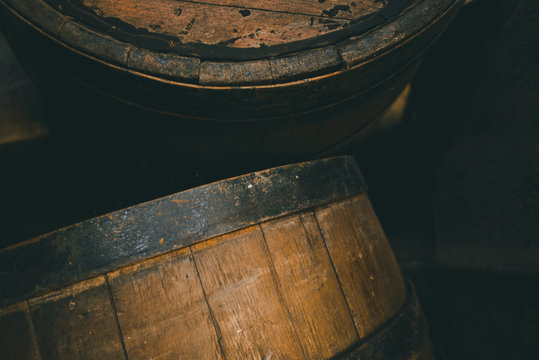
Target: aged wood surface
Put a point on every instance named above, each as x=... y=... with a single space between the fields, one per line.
x=387 y=266
x=162 y=310
x=309 y=285
x=77 y=323
x=304 y=286
x=237 y=23
x=241 y=289
x=17 y=340
x=358 y=265
x=176 y=221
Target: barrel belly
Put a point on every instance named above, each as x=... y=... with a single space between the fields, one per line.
x=317 y=280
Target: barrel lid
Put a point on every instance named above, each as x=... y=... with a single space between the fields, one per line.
x=232 y=42
x=231 y=29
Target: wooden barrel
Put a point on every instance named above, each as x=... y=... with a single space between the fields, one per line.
x=288 y=263
x=224 y=78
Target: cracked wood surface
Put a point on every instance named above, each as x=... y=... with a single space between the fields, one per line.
x=236 y=23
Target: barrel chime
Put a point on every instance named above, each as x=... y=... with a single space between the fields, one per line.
x=286 y=263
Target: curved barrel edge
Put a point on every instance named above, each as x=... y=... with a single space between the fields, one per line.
x=123 y=237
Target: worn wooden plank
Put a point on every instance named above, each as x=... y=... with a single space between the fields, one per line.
x=77 y=323
x=162 y=310
x=234 y=26
x=388 y=268
x=17 y=340
x=241 y=290
x=347 y=9
x=310 y=286
x=358 y=265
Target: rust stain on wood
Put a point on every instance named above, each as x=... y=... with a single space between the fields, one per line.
x=179 y=202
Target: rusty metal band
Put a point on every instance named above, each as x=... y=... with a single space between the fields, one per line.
x=404 y=337
x=108 y=242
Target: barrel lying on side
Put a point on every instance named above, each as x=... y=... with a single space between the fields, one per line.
x=288 y=263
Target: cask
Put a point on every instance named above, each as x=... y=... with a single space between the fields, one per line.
x=224 y=79
x=287 y=263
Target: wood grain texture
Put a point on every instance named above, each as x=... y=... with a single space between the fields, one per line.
x=163 y=225
x=162 y=310
x=388 y=269
x=17 y=340
x=77 y=323
x=309 y=285
x=236 y=23
x=358 y=264
x=240 y=285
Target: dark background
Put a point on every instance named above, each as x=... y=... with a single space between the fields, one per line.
x=455 y=185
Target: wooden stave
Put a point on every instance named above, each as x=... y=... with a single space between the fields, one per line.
x=397 y=332
x=403 y=337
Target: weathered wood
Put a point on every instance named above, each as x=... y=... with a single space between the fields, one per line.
x=17 y=339
x=77 y=323
x=309 y=285
x=162 y=310
x=316 y=280
x=215 y=27
x=235 y=23
x=387 y=266
x=170 y=223
x=323 y=69
x=358 y=266
x=241 y=289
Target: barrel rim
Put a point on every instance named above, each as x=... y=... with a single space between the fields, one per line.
x=105 y=243
x=211 y=72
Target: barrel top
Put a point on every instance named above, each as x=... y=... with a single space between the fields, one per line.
x=221 y=28
x=126 y=236
x=232 y=42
